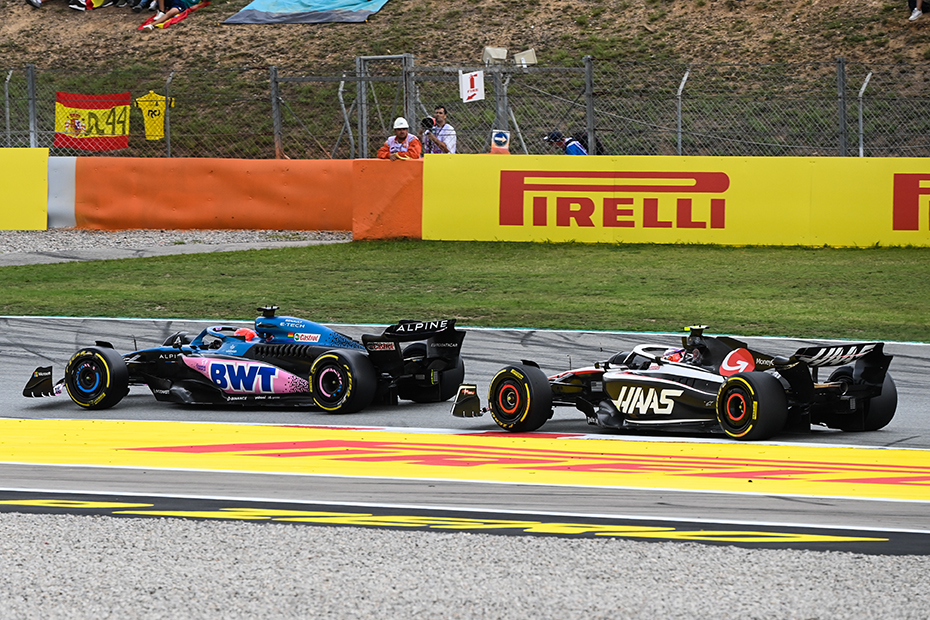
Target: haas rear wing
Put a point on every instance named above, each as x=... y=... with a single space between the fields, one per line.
x=867 y=358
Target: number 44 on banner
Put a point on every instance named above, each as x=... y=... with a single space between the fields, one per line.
x=471 y=86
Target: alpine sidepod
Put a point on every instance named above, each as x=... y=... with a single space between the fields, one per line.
x=708 y=384
x=282 y=361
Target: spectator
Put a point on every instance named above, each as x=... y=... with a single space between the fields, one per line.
x=917 y=9
x=174 y=8
x=438 y=137
x=569 y=145
x=142 y=5
x=401 y=145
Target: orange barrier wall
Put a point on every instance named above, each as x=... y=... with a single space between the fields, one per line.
x=388 y=199
x=117 y=193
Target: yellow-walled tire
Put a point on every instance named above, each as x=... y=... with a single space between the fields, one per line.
x=752 y=406
x=96 y=378
x=520 y=398
x=343 y=381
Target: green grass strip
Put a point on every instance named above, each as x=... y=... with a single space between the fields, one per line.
x=874 y=293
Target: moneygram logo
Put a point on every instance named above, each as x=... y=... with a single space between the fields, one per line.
x=613 y=199
x=908 y=189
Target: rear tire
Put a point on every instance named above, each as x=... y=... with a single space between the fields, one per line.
x=97 y=378
x=880 y=409
x=343 y=381
x=420 y=392
x=752 y=406
x=520 y=398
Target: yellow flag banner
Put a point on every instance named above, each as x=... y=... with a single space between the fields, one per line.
x=92 y=122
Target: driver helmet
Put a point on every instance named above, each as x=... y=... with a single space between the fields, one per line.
x=673 y=355
x=248 y=334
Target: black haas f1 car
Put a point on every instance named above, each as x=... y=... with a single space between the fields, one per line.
x=709 y=384
x=282 y=361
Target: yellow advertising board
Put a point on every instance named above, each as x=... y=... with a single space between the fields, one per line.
x=814 y=201
x=24 y=187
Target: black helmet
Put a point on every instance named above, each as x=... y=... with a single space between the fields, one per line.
x=553 y=136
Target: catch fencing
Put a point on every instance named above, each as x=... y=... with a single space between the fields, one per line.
x=626 y=108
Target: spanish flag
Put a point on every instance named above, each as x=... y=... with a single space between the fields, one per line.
x=92 y=122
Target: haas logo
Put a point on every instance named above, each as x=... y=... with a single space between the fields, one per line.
x=736 y=361
x=646 y=400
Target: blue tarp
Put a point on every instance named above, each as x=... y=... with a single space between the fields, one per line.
x=306 y=11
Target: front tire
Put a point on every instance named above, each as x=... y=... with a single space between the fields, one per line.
x=752 y=406
x=97 y=378
x=343 y=381
x=520 y=398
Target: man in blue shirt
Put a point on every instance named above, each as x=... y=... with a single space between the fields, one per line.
x=569 y=145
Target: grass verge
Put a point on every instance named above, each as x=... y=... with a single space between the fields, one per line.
x=875 y=293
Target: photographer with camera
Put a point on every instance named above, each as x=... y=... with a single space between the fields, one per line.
x=438 y=136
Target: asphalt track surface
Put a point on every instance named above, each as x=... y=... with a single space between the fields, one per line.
x=864 y=492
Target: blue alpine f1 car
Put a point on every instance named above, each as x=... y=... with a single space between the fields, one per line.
x=282 y=361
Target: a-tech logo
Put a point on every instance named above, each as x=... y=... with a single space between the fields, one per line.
x=908 y=190
x=613 y=199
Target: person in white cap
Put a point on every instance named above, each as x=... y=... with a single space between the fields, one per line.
x=402 y=145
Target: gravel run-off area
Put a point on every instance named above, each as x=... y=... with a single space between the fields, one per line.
x=59 y=566
x=67 y=239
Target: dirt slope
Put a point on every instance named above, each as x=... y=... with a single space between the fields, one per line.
x=455 y=31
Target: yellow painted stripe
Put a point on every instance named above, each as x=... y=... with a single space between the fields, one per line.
x=497 y=457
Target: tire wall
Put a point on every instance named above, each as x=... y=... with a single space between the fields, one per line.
x=810 y=201
x=830 y=201
x=375 y=199
x=23 y=189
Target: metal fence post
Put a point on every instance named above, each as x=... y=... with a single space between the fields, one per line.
x=168 y=114
x=410 y=93
x=861 y=131
x=501 y=120
x=276 y=113
x=362 y=98
x=589 y=102
x=347 y=126
x=33 y=122
x=841 y=96
x=681 y=88
x=6 y=107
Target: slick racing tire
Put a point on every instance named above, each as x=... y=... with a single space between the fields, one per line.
x=520 y=398
x=97 y=378
x=343 y=381
x=425 y=392
x=879 y=410
x=752 y=406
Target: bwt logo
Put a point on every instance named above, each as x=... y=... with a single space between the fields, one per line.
x=242 y=377
x=907 y=193
x=574 y=204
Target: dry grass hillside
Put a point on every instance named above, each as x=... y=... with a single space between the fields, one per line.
x=561 y=31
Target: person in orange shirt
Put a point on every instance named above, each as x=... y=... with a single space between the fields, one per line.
x=402 y=145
